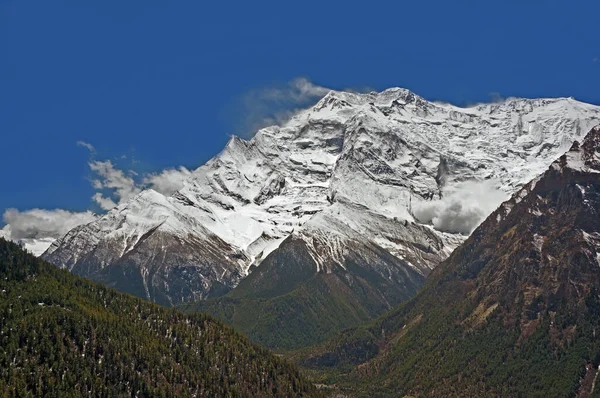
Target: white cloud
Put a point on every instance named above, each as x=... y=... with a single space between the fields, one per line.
x=122 y=187
x=168 y=180
x=87 y=145
x=462 y=208
x=40 y=223
x=113 y=185
x=116 y=186
x=104 y=202
x=37 y=228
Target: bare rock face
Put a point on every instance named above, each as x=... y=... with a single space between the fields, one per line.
x=387 y=170
x=274 y=186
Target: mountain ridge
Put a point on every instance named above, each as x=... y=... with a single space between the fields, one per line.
x=378 y=162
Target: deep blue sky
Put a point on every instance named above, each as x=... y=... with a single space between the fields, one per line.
x=161 y=82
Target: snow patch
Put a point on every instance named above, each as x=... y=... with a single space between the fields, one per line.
x=538 y=242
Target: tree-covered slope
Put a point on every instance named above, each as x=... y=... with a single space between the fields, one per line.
x=289 y=302
x=61 y=336
x=514 y=311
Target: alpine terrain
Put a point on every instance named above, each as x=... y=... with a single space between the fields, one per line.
x=337 y=215
x=514 y=311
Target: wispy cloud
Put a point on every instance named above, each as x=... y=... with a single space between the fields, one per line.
x=298 y=90
x=87 y=145
x=113 y=186
x=495 y=97
x=168 y=180
x=108 y=178
x=116 y=186
x=275 y=105
x=105 y=202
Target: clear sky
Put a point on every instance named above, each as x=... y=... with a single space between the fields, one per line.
x=159 y=84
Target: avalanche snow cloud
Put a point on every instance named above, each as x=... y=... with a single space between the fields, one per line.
x=462 y=207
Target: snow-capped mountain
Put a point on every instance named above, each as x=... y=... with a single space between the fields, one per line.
x=388 y=170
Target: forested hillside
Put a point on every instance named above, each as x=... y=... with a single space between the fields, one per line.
x=286 y=303
x=61 y=336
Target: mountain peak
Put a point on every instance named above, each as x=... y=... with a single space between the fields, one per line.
x=397 y=93
x=591 y=149
x=584 y=157
x=338 y=100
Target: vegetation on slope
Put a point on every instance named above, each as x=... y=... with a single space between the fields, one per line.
x=287 y=304
x=61 y=336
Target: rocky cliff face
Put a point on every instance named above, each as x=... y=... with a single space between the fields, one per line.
x=383 y=170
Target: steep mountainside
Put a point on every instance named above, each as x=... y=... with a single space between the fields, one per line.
x=62 y=336
x=514 y=311
x=149 y=248
x=289 y=303
x=355 y=175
